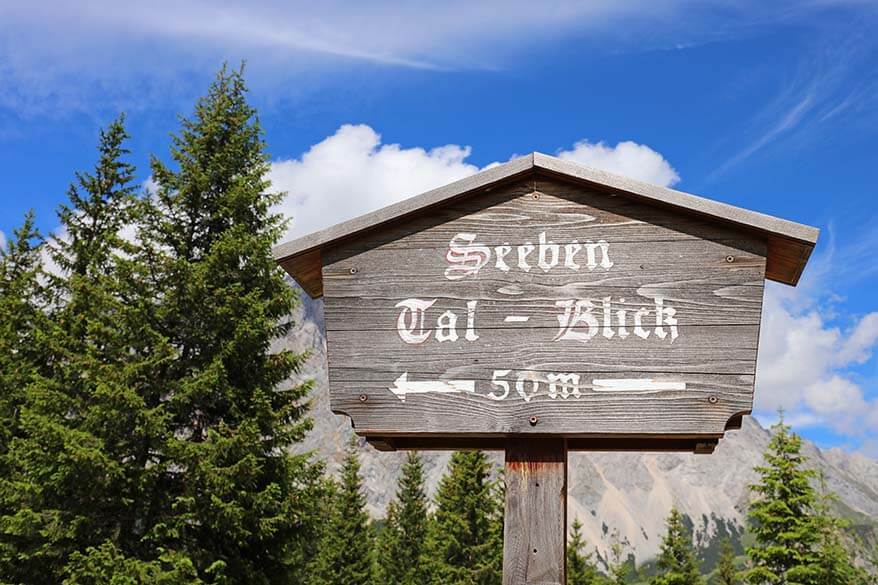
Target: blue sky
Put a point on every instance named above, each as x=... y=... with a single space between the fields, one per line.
x=774 y=108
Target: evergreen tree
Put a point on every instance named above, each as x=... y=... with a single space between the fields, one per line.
x=21 y=318
x=152 y=444
x=836 y=563
x=676 y=559
x=70 y=485
x=465 y=541
x=20 y=323
x=618 y=566
x=782 y=517
x=726 y=573
x=401 y=548
x=239 y=499
x=345 y=551
x=580 y=569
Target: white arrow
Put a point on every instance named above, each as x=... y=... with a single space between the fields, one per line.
x=401 y=387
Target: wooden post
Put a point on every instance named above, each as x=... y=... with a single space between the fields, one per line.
x=535 y=530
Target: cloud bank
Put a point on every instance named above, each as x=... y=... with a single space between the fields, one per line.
x=353 y=172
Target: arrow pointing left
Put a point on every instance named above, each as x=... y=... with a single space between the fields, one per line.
x=402 y=386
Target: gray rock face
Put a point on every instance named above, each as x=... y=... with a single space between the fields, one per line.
x=628 y=492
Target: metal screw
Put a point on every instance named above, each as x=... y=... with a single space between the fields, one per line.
x=363 y=398
x=353 y=270
x=713 y=399
x=730 y=259
x=536 y=195
x=533 y=421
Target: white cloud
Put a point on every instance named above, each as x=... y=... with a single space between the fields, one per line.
x=352 y=172
x=805 y=364
x=626 y=158
x=107 y=53
x=2 y=240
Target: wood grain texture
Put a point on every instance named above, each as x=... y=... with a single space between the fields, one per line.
x=716 y=349
x=713 y=304
x=510 y=322
x=517 y=212
x=789 y=244
x=535 y=521
x=703 y=408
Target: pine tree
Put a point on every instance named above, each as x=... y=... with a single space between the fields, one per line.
x=726 y=573
x=401 y=548
x=20 y=319
x=580 y=569
x=618 y=566
x=782 y=517
x=465 y=541
x=676 y=559
x=20 y=325
x=80 y=420
x=239 y=501
x=345 y=552
x=836 y=563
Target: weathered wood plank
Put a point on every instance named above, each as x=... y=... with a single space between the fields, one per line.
x=696 y=304
x=557 y=287
x=702 y=408
x=724 y=349
x=625 y=254
x=518 y=211
x=535 y=522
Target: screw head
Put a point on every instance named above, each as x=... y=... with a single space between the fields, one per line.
x=712 y=399
x=730 y=258
x=533 y=421
x=353 y=270
x=363 y=398
x=536 y=195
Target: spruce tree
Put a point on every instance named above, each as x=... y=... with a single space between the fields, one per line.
x=465 y=541
x=782 y=516
x=401 y=555
x=21 y=317
x=836 y=563
x=81 y=419
x=238 y=501
x=726 y=573
x=618 y=566
x=345 y=551
x=580 y=569
x=676 y=560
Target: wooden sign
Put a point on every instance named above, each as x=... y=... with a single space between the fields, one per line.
x=545 y=299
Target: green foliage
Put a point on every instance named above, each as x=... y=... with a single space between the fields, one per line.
x=782 y=517
x=836 y=563
x=345 y=551
x=466 y=537
x=68 y=487
x=20 y=320
x=151 y=440
x=726 y=573
x=107 y=565
x=580 y=567
x=401 y=548
x=676 y=560
x=619 y=568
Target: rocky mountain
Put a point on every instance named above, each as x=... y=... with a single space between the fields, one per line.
x=628 y=492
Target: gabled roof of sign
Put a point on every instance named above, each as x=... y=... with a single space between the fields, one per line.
x=789 y=243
